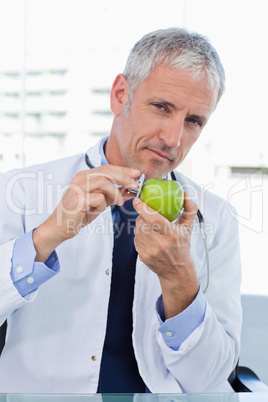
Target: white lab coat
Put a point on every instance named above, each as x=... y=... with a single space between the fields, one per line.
x=55 y=335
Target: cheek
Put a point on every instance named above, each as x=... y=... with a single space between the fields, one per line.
x=189 y=138
x=144 y=125
x=186 y=144
x=140 y=137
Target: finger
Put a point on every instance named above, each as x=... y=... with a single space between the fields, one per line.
x=96 y=201
x=107 y=182
x=146 y=229
x=122 y=176
x=84 y=187
x=189 y=211
x=140 y=244
x=111 y=192
x=126 y=194
x=158 y=222
x=140 y=248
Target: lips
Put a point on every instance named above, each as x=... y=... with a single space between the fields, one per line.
x=158 y=154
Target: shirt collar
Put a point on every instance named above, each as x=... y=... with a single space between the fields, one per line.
x=101 y=151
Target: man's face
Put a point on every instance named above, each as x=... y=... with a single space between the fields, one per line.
x=166 y=116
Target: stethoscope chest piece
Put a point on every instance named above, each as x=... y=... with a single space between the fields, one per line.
x=140 y=183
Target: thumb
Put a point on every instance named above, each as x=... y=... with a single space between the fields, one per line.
x=189 y=212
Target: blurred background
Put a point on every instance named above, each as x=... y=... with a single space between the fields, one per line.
x=58 y=60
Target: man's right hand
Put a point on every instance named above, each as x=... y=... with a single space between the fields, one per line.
x=89 y=193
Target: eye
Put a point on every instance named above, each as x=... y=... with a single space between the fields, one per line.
x=161 y=107
x=194 y=121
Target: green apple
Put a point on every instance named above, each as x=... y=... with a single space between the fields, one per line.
x=164 y=196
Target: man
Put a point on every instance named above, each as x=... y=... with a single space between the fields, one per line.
x=85 y=329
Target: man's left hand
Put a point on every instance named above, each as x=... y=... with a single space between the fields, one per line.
x=164 y=247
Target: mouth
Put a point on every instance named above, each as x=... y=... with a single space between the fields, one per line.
x=156 y=154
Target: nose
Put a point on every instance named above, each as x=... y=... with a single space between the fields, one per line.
x=172 y=133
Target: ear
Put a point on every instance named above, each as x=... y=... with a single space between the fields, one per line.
x=119 y=94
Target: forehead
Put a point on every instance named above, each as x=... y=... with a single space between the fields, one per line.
x=179 y=86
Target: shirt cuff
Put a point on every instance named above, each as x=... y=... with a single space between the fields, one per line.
x=176 y=330
x=26 y=274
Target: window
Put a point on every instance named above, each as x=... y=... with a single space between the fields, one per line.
x=55 y=86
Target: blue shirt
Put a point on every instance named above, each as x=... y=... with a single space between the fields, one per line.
x=28 y=275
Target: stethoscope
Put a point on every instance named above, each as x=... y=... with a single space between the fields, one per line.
x=199 y=216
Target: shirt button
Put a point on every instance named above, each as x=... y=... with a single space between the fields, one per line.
x=93 y=358
x=30 y=279
x=19 y=269
x=107 y=272
x=169 y=333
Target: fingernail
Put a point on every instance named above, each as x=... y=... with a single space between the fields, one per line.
x=136 y=201
x=135 y=172
x=133 y=184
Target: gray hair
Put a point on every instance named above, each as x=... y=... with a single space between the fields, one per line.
x=178 y=48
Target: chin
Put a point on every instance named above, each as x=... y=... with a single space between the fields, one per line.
x=153 y=169
x=154 y=173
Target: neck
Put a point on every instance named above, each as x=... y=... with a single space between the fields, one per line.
x=112 y=151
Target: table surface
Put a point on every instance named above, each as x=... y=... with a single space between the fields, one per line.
x=233 y=397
